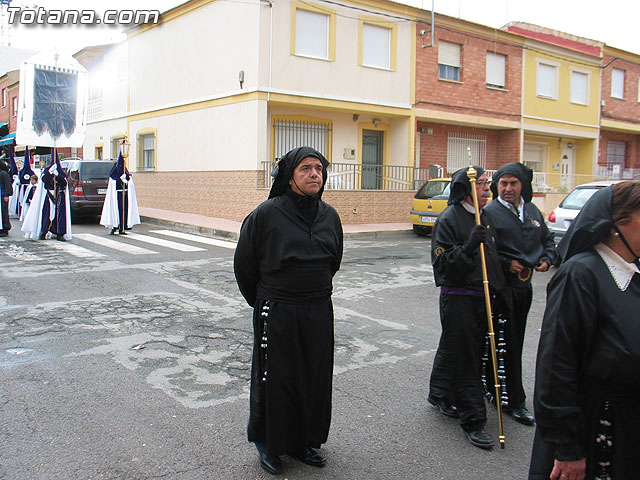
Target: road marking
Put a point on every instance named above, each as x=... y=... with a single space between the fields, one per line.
x=116 y=245
x=74 y=250
x=163 y=243
x=197 y=238
x=19 y=253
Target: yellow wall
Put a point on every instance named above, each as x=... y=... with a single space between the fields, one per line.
x=584 y=151
x=561 y=108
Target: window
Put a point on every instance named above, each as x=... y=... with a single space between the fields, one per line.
x=14 y=101
x=313 y=32
x=579 y=88
x=449 y=61
x=147 y=150
x=460 y=146
x=534 y=155
x=378 y=44
x=617 y=83
x=115 y=146
x=616 y=152
x=98 y=153
x=4 y=97
x=496 y=70
x=290 y=134
x=546 y=81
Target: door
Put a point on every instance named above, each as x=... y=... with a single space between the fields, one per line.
x=371 y=160
x=567 y=169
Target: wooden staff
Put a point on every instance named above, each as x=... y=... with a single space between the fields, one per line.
x=471 y=173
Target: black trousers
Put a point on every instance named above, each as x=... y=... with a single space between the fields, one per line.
x=457 y=365
x=123 y=208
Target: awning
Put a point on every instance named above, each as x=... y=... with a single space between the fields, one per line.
x=8 y=139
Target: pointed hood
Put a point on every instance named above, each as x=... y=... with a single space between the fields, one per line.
x=13 y=168
x=26 y=171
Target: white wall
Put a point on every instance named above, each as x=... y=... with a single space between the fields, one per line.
x=222 y=138
x=197 y=55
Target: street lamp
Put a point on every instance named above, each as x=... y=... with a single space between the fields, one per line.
x=124 y=147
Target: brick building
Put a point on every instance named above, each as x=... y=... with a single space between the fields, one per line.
x=468 y=95
x=619 y=148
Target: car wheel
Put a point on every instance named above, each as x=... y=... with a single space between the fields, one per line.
x=421 y=231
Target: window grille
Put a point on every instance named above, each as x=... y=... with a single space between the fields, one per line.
x=290 y=134
x=459 y=147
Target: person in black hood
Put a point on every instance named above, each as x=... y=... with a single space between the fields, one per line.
x=588 y=365
x=289 y=249
x=524 y=245
x=455 y=386
x=6 y=190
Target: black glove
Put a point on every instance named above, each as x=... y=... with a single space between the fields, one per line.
x=476 y=236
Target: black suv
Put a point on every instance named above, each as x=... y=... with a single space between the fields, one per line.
x=87 y=184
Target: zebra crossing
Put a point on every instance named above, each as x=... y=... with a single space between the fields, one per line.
x=81 y=246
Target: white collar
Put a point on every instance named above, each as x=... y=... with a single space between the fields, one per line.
x=621 y=270
x=513 y=208
x=468 y=207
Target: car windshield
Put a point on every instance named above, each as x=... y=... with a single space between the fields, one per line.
x=95 y=170
x=433 y=189
x=576 y=199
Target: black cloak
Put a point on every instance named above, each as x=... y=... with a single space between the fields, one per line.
x=588 y=362
x=288 y=251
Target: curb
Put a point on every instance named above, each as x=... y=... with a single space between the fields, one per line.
x=189 y=228
x=233 y=236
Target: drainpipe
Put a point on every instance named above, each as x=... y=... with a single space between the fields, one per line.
x=433 y=21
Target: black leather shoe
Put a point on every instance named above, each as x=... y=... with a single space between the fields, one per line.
x=310 y=457
x=61 y=238
x=521 y=415
x=271 y=463
x=113 y=231
x=479 y=438
x=445 y=407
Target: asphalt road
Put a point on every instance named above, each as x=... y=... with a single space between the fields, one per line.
x=130 y=360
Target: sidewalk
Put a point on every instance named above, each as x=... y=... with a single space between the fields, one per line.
x=230 y=229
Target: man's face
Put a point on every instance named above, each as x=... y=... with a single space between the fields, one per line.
x=483 y=191
x=307 y=177
x=509 y=189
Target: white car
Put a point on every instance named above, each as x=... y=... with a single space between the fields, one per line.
x=561 y=217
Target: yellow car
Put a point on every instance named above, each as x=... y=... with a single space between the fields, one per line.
x=428 y=204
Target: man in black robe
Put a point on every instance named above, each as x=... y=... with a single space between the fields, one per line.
x=588 y=365
x=289 y=249
x=457 y=268
x=6 y=190
x=524 y=245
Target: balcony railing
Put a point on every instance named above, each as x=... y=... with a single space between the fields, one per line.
x=555 y=182
x=358 y=176
x=350 y=176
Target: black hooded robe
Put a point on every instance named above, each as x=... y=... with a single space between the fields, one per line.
x=528 y=242
x=588 y=355
x=456 y=374
x=6 y=190
x=284 y=265
x=588 y=363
